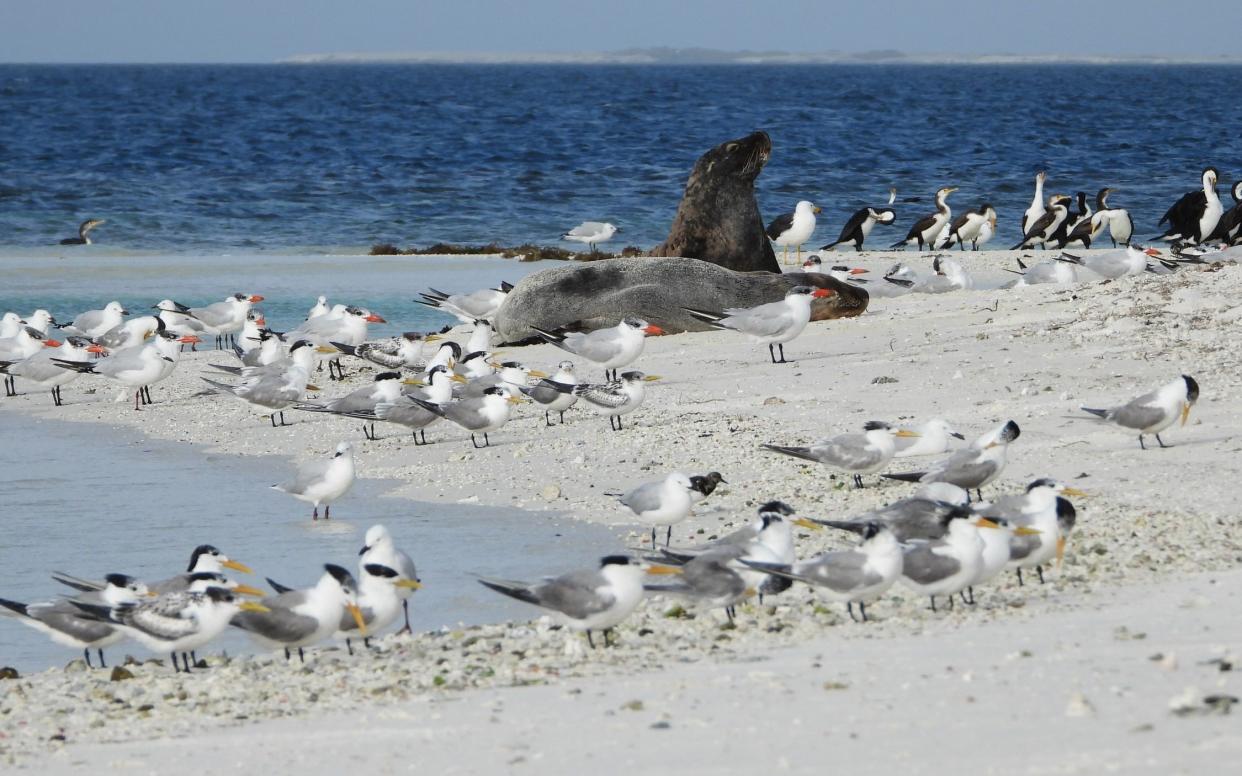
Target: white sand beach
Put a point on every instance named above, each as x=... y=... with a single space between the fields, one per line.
x=1055 y=678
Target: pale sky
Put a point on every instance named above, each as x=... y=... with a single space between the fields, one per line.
x=269 y=30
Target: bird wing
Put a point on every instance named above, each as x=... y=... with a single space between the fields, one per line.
x=578 y=594
x=920 y=226
x=644 y=498
x=605 y=395
x=849 y=451
x=780 y=225
x=851 y=226
x=1139 y=413
x=279 y=623
x=586 y=229
x=766 y=320
x=841 y=571
x=924 y=565
x=164 y=618
x=308 y=474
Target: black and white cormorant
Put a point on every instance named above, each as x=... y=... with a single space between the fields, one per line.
x=858 y=228
x=1073 y=221
x=1116 y=219
x=1037 y=209
x=1047 y=224
x=83 y=237
x=928 y=228
x=1193 y=217
x=1229 y=229
x=794 y=228
x=969 y=227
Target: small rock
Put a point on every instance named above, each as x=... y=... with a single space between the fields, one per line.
x=120 y=674
x=632 y=706
x=884 y=380
x=550 y=493
x=1079 y=706
x=836 y=686
x=661 y=725
x=8 y=672
x=773 y=400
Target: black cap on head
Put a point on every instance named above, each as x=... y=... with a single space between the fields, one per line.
x=202 y=549
x=380 y=570
x=1192 y=389
x=120 y=580
x=482 y=322
x=438 y=368
x=632 y=376
x=615 y=560
x=776 y=508
x=341 y=575
x=1042 y=482
x=473 y=356
x=495 y=390
x=870 y=529
x=299 y=344
x=1010 y=432
x=219 y=595
x=876 y=425
x=453 y=346
x=387 y=376
x=510 y=365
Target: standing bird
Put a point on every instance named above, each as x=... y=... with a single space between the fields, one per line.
x=137 y=367
x=931 y=438
x=1041 y=524
x=273 y=388
x=378 y=547
x=1153 y=412
x=548 y=397
x=404 y=412
x=470 y=307
x=1117 y=220
x=662 y=503
x=611 y=348
x=928 y=228
x=1194 y=217
x=94 y=323
x=1046 y=226
x=587 y=600
x=794 y=228
x=858 y=228
x=948 y=565
x=1079 y=220
x=300 y=618
x=859 y=454
x=774 y=323
x=590 y=233
x=42 y=370
x=322 y=482
x=968 y=226
x=973 y=467
x=385 y=388
x=1037 y=209
x=478 y=415
x=26 y=344
x=404 y=352
x=1229 y=227
x=381 y=594
x=320 y=307
x=84 y=230
x=617 y=398
x=225 y=319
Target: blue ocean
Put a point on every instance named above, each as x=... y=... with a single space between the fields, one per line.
x=334 y=158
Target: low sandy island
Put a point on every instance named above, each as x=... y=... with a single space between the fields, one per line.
x=1075 y=676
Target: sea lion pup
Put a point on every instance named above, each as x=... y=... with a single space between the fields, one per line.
x=718 y=219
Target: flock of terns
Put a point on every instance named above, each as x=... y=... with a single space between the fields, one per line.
x=942 y=542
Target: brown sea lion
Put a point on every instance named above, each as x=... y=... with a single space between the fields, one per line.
x=718 y=219
x=600 y=293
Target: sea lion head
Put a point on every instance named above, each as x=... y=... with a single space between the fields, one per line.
x=742 y=159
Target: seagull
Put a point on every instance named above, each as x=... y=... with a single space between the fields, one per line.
x=1130 y=260
x=300 y=618
x=932 y=439
x=860 y=454
x=126 y=334
x=1153 y=412
x=41 y=320
x=774 y=323
x=225 y=319
x=175 y=622
x=136 y=367
x=41 y=369
x=273 y=388
x=610 y=348
x=470 y=307
x=384 y=389
x=661 y=503
x=10 y=324
x=343 y=324
x=587 y=600
x=84 y=230
x=404 y=352
x=617 y=398
x=378 y=548
x=404 y=411
x=480 y=415
x=1041 y=522
x=251 y=333
x=853 y=576
x=794 y=228
x=94 y=323
x=973 y=467
x=320 y=308
x=551 y=399
x=66 y=624
x=591 y=232
x=322 y=482
x=948 y=565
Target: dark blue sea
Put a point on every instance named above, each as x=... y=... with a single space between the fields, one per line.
x=307 y=159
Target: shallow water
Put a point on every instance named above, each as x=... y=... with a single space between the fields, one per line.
x=289 y=284
x=93 y=499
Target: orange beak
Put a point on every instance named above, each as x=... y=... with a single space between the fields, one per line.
x=820 y=293
x=100 y=349
x=1152 y=252
x=260 y=322
x=51 y=343
x=653 y=329
x=373 y=318
x=256 y=298
x=858 y=271
x=189 y=339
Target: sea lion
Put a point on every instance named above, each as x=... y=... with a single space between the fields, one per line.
x=600 y=293
x=718 y=220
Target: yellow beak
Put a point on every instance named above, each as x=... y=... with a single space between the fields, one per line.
x=1185 y=413
x=515 y=400
x=458 y=378
x=326 y=349
x=412 y=381
x=248 y=590
x=665 y=570
x=432 y=338
x=1024 y=530
x=310 y=387
x=409 y=584
x=537 y=373
x=357 y=615
x=984 y=522
x=251 y=606
x=803 y=522
x=651 y=378
x=905 y=433
x=1060 y=550
x=1075 y=492
x=232 y=564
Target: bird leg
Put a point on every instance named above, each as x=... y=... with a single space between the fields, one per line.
x=349 y=647
x=547 y=418
x=86 y=653
x=1040 y=570
x=590 y=640
x=301 y=655
x=474 y=441
x=327 y=511
x=849 y=607
x=1020 y=584
x=862 y=607
x=729 y=613
x=137 y=396
x=668 y=538
x=562 y=417
x=287 y=655
x=1161 y=441
x=315 y=513
x=1141 y=445
x=978 y=494
x=933 y=603
x=102 y=664
x=423 y=434
x=653 y=538
x=486 y=442
x=858 y=483
x=950 y=602
x=771 y=353
x=405 y=607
